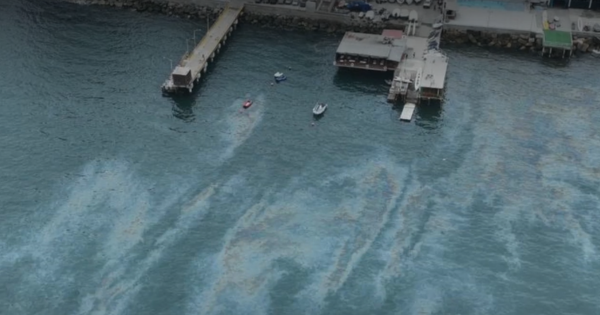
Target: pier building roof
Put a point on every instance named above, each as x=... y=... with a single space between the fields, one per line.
x=434 y=70
x=372 y=45
x=558 y=39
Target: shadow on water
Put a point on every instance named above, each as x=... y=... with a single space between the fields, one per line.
x=316 y=118
x=555 y=62
x=429 y=115
x=182 y=106
x=358 y=80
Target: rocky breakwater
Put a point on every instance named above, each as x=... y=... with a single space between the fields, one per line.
x=485 y=39
x=296 y=19
x=508 y=41
x=315 y=23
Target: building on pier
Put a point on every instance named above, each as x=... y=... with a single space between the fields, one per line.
x=378 y=52
x=431 y=81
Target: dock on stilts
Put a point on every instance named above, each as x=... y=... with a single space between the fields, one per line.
x=191 y=67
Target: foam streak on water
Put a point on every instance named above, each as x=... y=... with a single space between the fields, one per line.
x=116 y=200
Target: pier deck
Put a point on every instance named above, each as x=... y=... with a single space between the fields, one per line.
x=191 y=66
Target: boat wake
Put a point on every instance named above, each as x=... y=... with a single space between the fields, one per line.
x=240 y=124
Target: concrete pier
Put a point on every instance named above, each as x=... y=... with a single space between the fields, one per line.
x=191 y=67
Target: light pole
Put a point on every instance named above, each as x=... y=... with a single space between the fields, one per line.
x=187 y=46
x=195 y=35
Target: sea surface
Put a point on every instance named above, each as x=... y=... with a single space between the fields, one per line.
x=116 y=200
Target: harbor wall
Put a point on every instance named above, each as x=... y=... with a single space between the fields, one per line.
x=288 y=17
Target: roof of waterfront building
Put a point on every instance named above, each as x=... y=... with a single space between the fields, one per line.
x=434 y=70
x=393 y=33
x=558 y=39
x=372 y=45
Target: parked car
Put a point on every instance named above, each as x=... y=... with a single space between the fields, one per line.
x=427 y=4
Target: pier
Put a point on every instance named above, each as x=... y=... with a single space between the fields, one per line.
x=191 y=67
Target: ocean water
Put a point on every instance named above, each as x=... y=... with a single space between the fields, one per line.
x=116 y=200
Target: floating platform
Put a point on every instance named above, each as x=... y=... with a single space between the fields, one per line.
x=408 y=112
x=192 y=66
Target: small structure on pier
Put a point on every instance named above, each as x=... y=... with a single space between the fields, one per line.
x=371 y=51
x=557 y=35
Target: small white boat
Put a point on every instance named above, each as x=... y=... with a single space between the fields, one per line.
x=413 y=16
x=388 y=82
x=279 y=77
x=437 y=25
x=319 y=109
x=580 y=24
x=417 y=1
x=361 y=14
x=596 y=52
x=396 y=13
x=370 y=14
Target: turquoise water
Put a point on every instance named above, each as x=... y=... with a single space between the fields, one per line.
x=494 y=5
x=116 y=200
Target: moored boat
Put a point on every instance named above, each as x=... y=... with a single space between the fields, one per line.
x=319 y=109
x=247 y=103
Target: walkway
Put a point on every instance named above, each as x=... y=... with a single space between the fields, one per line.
x=198 y=59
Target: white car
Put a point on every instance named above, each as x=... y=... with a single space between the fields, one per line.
x=427 y=4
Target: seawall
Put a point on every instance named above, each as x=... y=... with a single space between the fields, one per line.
x=290 y=17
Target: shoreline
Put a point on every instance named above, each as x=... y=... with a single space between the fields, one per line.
x=295 y=18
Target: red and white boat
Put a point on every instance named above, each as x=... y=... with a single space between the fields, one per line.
x=247 y=103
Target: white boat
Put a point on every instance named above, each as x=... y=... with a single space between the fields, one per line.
x=417 y=1
x=361 y=14
x=580 y=24
x=437 y=25
x=396 y=13
x=388 y=82
x=413 y=16
x=370 y=14
x=596 y=52
x=409 y=2
x=319 y=108
x=279 y=77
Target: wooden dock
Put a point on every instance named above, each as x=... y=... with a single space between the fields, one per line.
x=191 y=67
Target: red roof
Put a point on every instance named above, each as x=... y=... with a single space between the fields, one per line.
x=392 y=33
